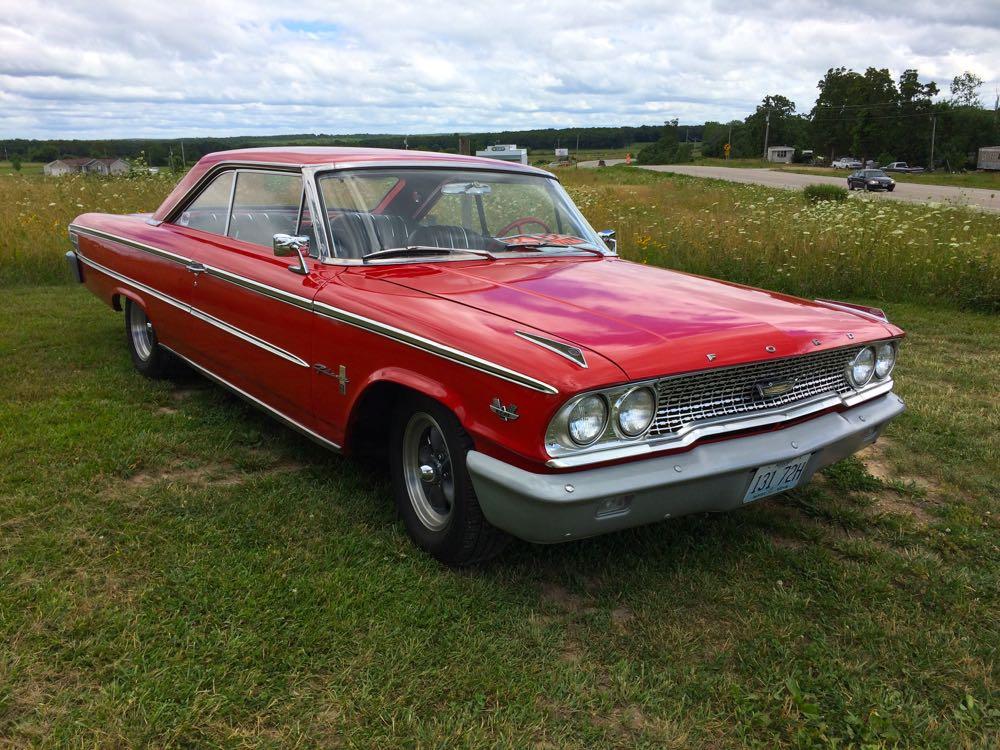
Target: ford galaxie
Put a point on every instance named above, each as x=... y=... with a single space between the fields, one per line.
x=460 y=316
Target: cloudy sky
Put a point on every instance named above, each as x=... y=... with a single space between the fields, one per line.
x=120 y=68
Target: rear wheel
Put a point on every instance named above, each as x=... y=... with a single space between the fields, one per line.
x=148 y=357
x=432 y=488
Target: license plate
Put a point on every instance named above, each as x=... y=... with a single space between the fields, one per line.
x=775 y=478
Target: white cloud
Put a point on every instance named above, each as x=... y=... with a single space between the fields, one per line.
x=115 y=68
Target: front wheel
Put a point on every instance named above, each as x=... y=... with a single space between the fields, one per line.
x=148 y=357
x=432 y=488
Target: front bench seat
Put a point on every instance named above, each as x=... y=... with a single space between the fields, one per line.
x=352 y=232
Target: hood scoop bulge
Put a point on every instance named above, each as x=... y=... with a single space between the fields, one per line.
x=570 y=352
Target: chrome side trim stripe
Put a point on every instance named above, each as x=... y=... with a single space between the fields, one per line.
x=280 y=416
x=255 y=286
x=248 y=337
x=165 y=254
x=200 y=314
x=433 y=347
x=132 y=282
x=321 y=308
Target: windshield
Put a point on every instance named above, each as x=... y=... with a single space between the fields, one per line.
x=373 y=210
x=875 y=173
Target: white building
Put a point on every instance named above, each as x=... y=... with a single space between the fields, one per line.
x=86 y=166
x=505 y=152
x=989 y=158
x=780 y=154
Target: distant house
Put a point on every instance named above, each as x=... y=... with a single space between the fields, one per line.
x=989 y=157
x=780 y=154
x=113 y=165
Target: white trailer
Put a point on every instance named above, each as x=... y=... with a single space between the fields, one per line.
x=505 y=152
x=989 y=158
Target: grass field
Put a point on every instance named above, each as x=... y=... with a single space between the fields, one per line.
x=27 y=167
x=179 y=570
x=771 y=238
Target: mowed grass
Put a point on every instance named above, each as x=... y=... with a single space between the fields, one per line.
x=177 y=569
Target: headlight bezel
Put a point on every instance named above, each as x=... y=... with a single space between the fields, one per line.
x=599 y=398
x=855 y=383
x=619 y=407
x=891 y=346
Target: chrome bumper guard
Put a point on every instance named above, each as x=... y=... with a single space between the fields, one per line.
x=75 y=267
x=547 y=508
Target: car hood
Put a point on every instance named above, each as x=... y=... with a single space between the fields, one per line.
x=649 y=321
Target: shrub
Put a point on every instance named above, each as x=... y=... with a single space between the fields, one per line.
x=664 y=152
x=885 y=158
x=818 y=193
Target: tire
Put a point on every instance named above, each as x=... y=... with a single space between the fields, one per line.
x=148 y=357
x=891 y=189
x=432 y=488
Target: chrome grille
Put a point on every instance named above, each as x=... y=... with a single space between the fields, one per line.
x=732 y=392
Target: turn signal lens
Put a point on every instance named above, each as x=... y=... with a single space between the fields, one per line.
x=635 y=411
x=885 y=359
x=587 y=420
x=862 y=367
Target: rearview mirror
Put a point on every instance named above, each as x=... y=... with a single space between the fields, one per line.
x=608 y=236
x=290 y=246
x=466 y=188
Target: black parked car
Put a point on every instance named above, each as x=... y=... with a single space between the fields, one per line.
x=870 y=179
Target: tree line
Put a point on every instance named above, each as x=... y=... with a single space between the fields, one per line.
x=873 y=116
x=171 y=152
x=868 y=115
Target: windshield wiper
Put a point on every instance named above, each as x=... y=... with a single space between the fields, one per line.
x=425 y=250
x=540 y=246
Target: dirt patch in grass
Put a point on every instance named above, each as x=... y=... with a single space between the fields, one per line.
x=904 y=495
x=216 y=474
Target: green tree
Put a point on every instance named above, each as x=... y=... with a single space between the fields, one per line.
x=965 y=90
x=15 y=162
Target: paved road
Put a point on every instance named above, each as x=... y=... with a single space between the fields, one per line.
x=905 y=191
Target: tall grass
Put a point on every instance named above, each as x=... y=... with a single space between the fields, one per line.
x=35 y=211
x=876 y=249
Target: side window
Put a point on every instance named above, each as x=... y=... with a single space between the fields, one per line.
x=265 y=204
x=209 y=210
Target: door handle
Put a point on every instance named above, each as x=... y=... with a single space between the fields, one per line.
x=196 y=268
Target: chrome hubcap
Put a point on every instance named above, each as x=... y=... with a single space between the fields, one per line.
x=141 y=331
x=427 y=470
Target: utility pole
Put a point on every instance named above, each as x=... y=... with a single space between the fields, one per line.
x=578 y=140
x=183 y=160
x=729 y=140
x=933 y=133
x=767 y=132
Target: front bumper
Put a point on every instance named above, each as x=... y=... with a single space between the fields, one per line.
x=546 y=508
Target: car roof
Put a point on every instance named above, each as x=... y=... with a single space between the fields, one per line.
x=334 y=156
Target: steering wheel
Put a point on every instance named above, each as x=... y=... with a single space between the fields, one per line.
x=521 y=223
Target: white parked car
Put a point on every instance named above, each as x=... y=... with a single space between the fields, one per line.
x=847 y=162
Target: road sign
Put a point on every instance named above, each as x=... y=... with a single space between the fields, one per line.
x=726 y=149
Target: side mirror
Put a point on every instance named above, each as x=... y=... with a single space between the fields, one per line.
x=290 y=246
x=608 y=236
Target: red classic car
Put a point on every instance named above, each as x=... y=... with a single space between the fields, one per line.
x=460 y=316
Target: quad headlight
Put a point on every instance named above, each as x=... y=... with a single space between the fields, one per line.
x=635 y=411
x=862 y=367
x=587 y=419
x=885 y=359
